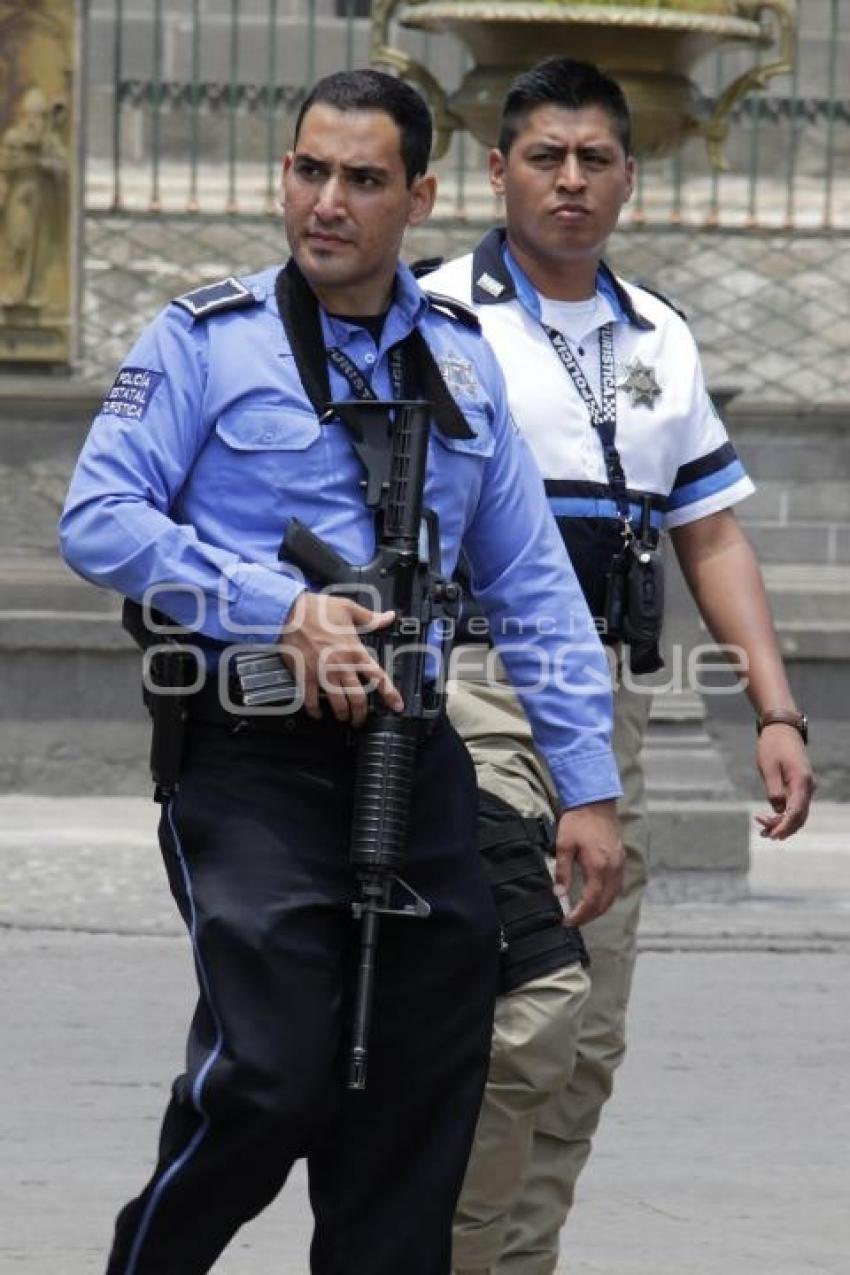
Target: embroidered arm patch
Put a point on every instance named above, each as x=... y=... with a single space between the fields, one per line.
x=132 y=392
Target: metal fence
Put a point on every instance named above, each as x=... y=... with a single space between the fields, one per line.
x=191 y=103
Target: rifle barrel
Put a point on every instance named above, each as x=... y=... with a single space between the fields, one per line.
x=370 y=922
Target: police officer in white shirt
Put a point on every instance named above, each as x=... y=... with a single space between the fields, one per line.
x=604 y=381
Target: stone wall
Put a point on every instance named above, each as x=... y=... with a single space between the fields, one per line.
x=770 y=310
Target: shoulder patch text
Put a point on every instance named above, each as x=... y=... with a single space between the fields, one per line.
x=132 y=392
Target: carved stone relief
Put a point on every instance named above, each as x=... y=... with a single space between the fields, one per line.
x=37 y=126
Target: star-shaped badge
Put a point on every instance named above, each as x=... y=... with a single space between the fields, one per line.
x=640 y=384
x=459 y=375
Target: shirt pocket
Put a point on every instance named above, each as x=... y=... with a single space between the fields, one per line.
x=483 y=442
x=268 y=459
x=456 y=473
x=270 y=429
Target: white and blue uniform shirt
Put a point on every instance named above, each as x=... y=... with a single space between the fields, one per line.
x=674 y=447
x=207 y=445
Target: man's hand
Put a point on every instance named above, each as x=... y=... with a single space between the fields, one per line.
x=721 y=569
x=320 y=643
x=589 y=836
x=784 y=765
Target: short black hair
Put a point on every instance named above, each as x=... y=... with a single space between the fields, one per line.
x=368 y=90
x=564 y=82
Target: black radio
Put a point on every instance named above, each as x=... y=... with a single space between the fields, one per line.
x=634 y=596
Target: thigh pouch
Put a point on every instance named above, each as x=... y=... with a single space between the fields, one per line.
x=535 y=940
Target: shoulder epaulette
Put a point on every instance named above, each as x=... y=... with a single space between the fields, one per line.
x=672 y=305
x=455 y=310
x=425 y=265
x=214 y=298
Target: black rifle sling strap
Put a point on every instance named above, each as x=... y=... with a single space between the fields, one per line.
x=299 y=313
x=448 y=417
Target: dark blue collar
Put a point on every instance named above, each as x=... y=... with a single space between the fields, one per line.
x=496 y=277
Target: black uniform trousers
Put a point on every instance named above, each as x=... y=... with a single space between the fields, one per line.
x=256 y=848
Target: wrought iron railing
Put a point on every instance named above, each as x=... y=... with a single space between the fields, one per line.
x=191 y=104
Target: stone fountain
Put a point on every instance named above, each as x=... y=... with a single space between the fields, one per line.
x=650 y=49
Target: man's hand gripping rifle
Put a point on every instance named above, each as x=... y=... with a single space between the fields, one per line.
x=391 y=440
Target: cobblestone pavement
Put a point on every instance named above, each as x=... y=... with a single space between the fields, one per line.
x=724 y=1152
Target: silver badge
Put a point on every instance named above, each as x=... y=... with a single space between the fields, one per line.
x=459 y=375
x=640 y=384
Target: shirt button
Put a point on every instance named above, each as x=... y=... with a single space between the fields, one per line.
x=370 y=358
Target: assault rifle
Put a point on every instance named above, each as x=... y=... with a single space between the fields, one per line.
x=391 y=440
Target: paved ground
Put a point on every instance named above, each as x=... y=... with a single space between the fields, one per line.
x=724 y=1153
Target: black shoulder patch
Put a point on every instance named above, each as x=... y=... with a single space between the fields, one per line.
x=672 y=305
x=425 y=265
x=214 y=298
x=454 y=310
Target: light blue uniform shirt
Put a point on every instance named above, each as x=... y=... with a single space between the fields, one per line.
x=207 y=445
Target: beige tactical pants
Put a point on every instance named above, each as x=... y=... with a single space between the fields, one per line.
x=557 y=1041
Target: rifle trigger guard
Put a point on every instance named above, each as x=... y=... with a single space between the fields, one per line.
x=419 y=909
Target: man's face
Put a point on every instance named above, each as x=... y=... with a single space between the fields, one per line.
x=564 y=181
x=347 y=202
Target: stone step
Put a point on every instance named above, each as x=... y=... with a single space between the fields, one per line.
x=76 y=755
x=806 y=594
x=73 y=719
x=811 y=609
x=34 y=583
x=814 y=543
x=808 y=502
x=45 y=607
x=69 y=681
x=804 y=449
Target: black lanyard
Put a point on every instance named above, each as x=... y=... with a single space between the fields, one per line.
x=603 y=415
x=299 y=313
x=359 y=385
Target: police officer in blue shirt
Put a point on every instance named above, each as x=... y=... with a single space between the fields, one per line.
x=208 y=445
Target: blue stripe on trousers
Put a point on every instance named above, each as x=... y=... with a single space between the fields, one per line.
x=200 y=1079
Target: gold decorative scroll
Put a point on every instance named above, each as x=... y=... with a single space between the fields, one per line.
x=38 y=172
